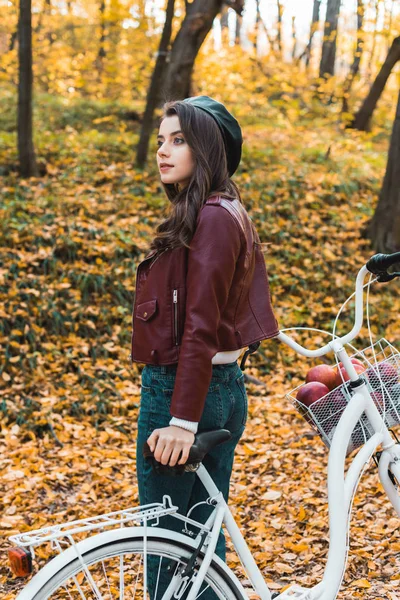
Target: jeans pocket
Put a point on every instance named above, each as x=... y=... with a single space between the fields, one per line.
x=167 y=397
x=242 y=388
x=146 y=395
x=146 y=403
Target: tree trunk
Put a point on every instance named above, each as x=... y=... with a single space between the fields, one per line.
x=257 y=26
x=47 y=11
x=327 y=64
x=271 y=40
x=13 y=39
x=102 y=51
x=375 y=33
x=70 y=27
x=26 y=151
x=238 y=30
x=279 y=28
x=154 y=88
x=294 y=38
x=194 y=29
x=355 y=67
x=313 y=28
x=384 y=229
x=224 y=26
x=363 y=116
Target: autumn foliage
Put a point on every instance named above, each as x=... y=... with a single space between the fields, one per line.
x=69 y=398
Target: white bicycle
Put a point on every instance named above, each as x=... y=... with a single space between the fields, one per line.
x=113 y=563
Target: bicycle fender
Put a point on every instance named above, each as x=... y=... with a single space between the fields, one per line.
x=100 y=539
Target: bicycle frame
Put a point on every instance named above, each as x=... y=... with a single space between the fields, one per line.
x=341 y=489
x=341 y=486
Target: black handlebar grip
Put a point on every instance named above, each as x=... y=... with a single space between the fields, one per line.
x=380 y=263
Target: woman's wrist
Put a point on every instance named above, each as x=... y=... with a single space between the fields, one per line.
x=189 y=425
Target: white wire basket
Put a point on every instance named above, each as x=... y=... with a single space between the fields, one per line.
x=382 y=374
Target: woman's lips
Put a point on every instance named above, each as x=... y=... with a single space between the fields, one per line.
x=165 y=167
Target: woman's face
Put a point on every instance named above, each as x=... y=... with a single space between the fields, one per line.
x=174 y=152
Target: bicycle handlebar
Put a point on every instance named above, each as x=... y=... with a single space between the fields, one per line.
x=380 y=263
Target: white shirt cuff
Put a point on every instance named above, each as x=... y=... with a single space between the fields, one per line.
x=189 y=425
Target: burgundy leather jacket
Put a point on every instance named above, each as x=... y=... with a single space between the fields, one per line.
x=191 y=304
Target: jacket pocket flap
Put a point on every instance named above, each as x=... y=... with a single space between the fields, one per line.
x=146 y=310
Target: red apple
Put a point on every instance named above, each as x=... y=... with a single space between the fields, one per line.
x=337 y=405
x=378 y=400
x=387 y=372
x=385 y=404
x=355 y=361
x=311 y=392
x=337 y=402
x=324 y=374
x=388 y=402
x=394 y=392
x=342 y=374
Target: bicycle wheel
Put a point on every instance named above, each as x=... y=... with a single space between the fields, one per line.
x=116 y=571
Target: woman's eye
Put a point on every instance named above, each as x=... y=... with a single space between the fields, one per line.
x=159 y=143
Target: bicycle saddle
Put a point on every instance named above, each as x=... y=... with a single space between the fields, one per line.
x=203 y=443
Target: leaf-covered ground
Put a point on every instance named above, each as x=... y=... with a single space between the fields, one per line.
x=70 y=244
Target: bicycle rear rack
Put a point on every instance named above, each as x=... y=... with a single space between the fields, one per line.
x=138 y=514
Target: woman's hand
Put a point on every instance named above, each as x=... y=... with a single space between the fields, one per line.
x=168 y=442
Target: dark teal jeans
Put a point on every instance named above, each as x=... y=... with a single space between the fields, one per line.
x=225 y=407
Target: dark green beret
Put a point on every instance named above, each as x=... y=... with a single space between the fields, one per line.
x=228 y=125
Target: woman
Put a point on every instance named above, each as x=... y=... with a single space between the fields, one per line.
x=202 y=297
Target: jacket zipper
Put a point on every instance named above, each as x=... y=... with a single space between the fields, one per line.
x=175 y=301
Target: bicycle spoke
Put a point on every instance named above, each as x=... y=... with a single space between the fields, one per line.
x=116 y=572
x=77 y=584
x=158 y=577
x=121 y=578
x=137 y=577
x=201 y=593
x=105 y=574
x=93 y=586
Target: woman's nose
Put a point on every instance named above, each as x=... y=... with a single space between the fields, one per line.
x=162 y=151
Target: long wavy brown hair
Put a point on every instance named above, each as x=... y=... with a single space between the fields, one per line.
x=210 y=175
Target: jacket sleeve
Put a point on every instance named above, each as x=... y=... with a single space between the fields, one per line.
x=212 y=258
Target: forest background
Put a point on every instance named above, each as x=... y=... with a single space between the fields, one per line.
x=79 y=207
